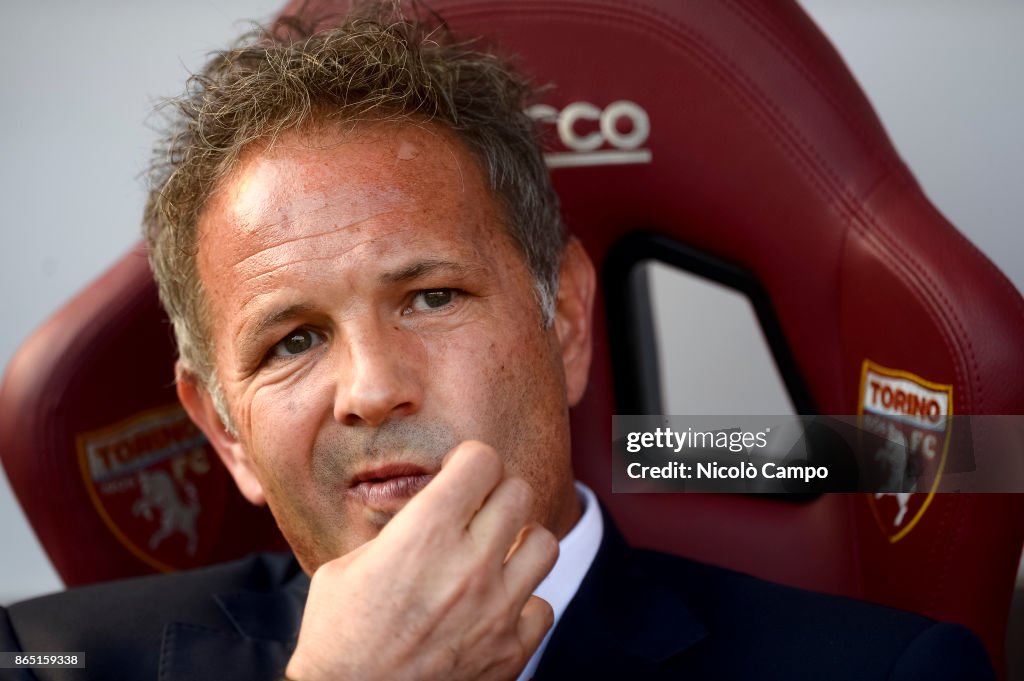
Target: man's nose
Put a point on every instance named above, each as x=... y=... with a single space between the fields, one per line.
x=379 y=379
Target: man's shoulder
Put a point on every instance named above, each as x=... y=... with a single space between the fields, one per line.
x=715 y=593
x=776 y=626
x=128 y=617
x=647 y=615
x=179 y=592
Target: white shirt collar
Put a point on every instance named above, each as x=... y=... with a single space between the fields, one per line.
x=576 y=552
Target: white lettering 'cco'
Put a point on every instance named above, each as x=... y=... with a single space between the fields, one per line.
x=586 y=150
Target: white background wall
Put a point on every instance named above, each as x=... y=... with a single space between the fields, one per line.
x=78 y=80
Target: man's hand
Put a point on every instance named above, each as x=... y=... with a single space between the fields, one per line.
x=444 y=592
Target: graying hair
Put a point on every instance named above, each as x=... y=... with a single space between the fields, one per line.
x=378 y=64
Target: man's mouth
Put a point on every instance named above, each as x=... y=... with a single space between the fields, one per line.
x=389 y=487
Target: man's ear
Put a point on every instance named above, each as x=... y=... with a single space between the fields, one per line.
x=197 y=402
x=574 y=317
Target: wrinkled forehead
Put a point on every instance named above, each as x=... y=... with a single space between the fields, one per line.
x=368 y=169
x=329 y=178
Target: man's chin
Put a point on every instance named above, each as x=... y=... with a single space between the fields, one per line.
x=377 y=519
x=367 y=507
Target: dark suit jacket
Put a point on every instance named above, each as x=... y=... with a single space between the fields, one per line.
x=637 y=615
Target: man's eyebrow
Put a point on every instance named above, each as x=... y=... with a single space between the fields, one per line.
x=255 y=330
x=425 y=267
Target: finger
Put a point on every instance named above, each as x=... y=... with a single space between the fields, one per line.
x=337 y=566
x=469 y=473
x=355 y=553
x=534 y=621
x=502 y=516
x=530 y=562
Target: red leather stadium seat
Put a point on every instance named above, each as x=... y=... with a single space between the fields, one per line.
x=731 y=129
x=100 y=453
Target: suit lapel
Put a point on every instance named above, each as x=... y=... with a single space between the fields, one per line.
x=257 y=646
x=624 y=621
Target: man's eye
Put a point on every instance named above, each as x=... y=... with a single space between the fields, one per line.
x=296 y=343
x=433 y=299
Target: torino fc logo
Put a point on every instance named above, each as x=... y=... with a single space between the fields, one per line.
x=592 y=136
x=147 y=477
x=912 y=418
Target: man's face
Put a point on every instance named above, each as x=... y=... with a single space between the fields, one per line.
x=369 y=312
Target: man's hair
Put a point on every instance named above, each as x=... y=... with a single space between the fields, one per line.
x=378 y=64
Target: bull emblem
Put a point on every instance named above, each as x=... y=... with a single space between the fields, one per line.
x=160 y=493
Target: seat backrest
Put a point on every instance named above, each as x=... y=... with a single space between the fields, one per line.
x=113 y=476
x=730 y=131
